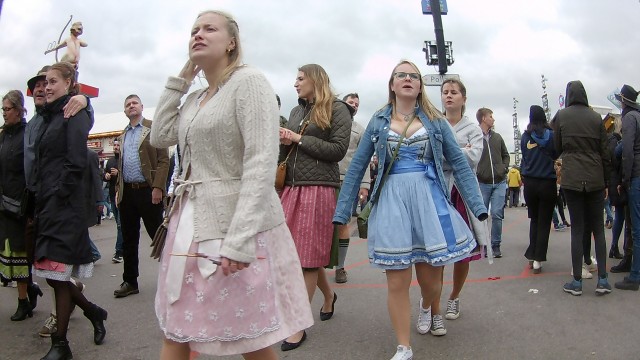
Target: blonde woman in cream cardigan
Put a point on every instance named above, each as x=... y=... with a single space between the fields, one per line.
x=226 y=208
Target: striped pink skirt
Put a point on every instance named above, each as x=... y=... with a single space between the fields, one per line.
x=308 y=211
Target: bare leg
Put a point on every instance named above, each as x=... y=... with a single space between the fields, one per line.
x=398 y=303
x=435 y=304
x=22 y=289
x=262 y=354
x=430 y=281
x=325 y=288
x=172 y=350
x=311 y=281
x=460 y=272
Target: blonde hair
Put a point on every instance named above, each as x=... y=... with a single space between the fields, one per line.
x=235 y=54
x=323 y=95
x=423 y=101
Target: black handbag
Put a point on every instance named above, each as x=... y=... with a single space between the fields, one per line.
x=363 y=217
x=12 y=206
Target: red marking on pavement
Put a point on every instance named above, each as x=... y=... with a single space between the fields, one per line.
x=526 y=272
x=193 y=355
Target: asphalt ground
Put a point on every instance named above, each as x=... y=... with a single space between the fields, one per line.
x=506 y=311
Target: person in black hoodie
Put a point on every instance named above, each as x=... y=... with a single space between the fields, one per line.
x=62 y=245
x=538 y=156
x=581 y=141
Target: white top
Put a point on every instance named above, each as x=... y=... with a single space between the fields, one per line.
x=229 y=148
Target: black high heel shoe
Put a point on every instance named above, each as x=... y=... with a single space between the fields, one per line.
x=327 y=315
x=286 y=346
x=24 y=310
x=33 y=291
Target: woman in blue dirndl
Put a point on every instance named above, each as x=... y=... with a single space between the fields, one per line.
x=412 y=221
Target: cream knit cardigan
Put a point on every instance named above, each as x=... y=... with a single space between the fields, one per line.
x=231 y=147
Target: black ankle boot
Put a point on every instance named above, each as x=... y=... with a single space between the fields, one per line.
x=97 y=315
x=614 y=253
x=59 y=349
x=623 y=266
x=33 y=291
x=24 y=310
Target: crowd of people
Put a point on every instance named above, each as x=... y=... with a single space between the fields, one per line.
x=239 y=259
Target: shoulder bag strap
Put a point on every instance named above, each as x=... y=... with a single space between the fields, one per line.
x=304 y=127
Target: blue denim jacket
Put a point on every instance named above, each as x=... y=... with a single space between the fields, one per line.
x=443 y=144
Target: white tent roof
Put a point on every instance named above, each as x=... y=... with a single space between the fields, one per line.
x=113 y=122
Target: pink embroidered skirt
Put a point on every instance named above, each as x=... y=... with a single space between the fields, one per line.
x=308 y=211
x=244 y=312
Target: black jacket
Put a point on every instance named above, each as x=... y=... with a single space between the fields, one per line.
x=61 y=159
x=12 y=183
x=494 y=162
x=581 y=140
x=631 y=144
x=616 y=172
x=315 y=160
x=112 y=163
x=93 y=187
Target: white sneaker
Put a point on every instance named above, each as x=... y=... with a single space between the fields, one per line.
x=437 y=326
x=111 y=216
x=593 y=266
x=585 y=273
x=403 y=353
x=453 y=309
x=424 y=319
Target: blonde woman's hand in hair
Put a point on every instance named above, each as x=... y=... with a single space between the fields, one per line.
x=189 y=71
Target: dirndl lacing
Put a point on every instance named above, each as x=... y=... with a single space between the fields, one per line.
x=184 y=238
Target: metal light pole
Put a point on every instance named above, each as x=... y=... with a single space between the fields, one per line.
x=545 y=100
x=437 y=24
x=516 y=133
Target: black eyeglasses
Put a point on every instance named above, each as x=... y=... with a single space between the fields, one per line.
x=403 y=75
x=6 y=109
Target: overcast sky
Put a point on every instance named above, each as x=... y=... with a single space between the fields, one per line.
x=501 y=47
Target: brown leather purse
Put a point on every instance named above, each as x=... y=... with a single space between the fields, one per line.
x=281 y=171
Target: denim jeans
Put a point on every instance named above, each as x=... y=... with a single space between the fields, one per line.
x=116 y=215
x=94 y=250
x=607 y=210
x=634 y=207
x=494 y=196
x=618 y=223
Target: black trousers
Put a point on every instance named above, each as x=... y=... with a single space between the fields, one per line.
x=540 y=195
x=585 y=210
x=514 y=196
x=135 y=205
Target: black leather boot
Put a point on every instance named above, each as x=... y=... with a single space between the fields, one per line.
x=33 y=291
x=614 y=253
x=59 y=349
x=24 y=310
x=97 y=315
x=623 y=266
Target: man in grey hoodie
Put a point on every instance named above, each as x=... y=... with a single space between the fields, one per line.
x=492 y=174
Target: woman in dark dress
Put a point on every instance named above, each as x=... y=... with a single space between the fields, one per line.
x=14 y=262
x=62 y=245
